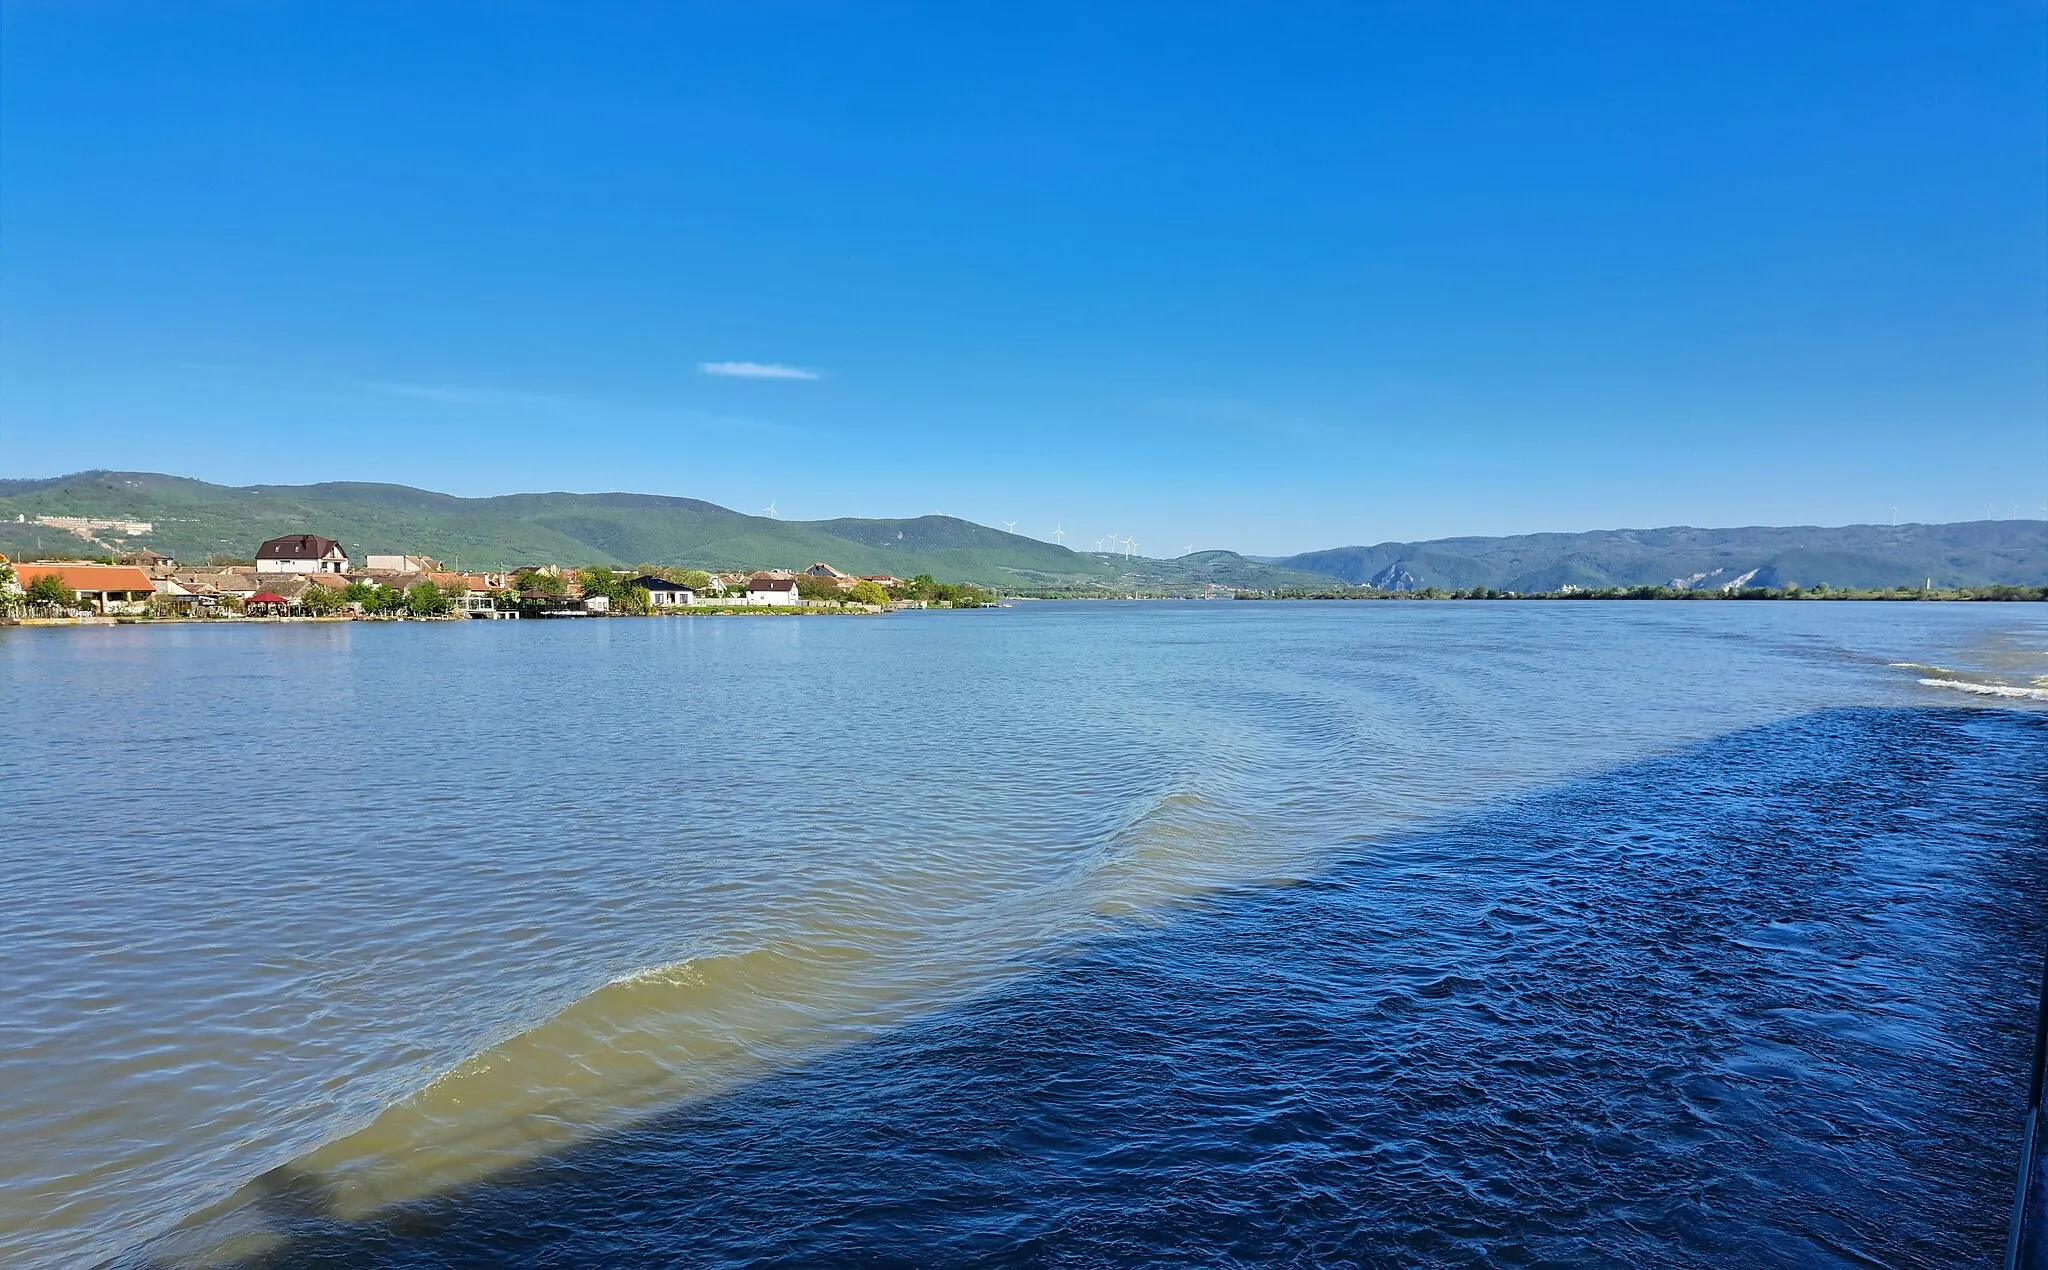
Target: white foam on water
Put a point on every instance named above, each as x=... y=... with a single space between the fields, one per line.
x=2007 y=691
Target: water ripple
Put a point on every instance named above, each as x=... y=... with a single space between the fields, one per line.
x=1212 y=915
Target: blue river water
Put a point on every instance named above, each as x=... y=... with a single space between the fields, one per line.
x=1144 y=934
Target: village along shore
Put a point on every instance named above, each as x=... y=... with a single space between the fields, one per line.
x=308 y=578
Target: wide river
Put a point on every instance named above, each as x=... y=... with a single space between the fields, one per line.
x=1415 y=934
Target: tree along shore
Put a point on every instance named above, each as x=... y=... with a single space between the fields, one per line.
x=539 y=588
x=528 y=592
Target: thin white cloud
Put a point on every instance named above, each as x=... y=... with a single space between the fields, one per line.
x=755 y=370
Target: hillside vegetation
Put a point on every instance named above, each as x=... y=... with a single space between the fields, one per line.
x=193 y=520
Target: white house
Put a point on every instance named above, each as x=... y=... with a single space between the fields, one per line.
x=664 y=594
x=762 y=590
x=301 y=553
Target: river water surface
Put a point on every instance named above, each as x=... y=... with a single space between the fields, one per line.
x=1068 y=934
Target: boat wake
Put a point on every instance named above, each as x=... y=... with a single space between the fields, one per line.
x=1942 y=677
x=877 y=953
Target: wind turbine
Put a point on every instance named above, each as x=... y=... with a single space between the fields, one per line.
x=1010 y=526
x=1895 y=518
x=1059 y=535
x=770 y=511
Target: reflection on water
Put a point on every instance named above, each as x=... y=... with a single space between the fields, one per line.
x=374 y=916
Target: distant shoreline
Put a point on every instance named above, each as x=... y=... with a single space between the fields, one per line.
x=1962 y=595
x=331 y=619
x=1998 y=593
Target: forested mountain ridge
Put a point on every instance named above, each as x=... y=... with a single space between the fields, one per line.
x=192 y=520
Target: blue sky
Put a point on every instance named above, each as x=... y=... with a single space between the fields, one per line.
x=1251 y=276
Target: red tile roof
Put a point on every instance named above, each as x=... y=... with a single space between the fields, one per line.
x=88 y=577
x=460 y=581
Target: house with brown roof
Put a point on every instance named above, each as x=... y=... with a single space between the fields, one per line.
x=844 y=581
x=294 y=589
x=238 y=583
x=185 y=597
x=104 y=588
x=472 y=592
x=144 y=558
x=461 y=583
x=301 y=553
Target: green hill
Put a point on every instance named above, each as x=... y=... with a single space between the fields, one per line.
x=193 y=520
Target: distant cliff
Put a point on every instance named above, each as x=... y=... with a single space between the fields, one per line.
x=1972 y=553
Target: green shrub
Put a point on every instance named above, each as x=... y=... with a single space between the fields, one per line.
x=811 y=588
x=424 y=599
x=49 y=589
x=551 y=585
